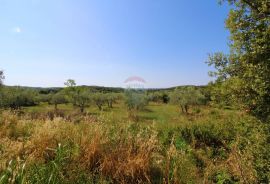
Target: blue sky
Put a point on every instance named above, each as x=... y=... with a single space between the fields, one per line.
x=103 y=42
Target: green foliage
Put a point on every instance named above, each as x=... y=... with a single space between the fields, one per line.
x=248 y=62
x=159 y=97
x=70 y=83
x=99 y=99
x=234 y=141
x=223 y=177
x=58 y=98
x=81 y=97
x=112 y=98
x=14 y=173
x=186 y=97
x=42 y=98
x=227 y=92
x=135 y=100
x=17 y=97
x=52 y=171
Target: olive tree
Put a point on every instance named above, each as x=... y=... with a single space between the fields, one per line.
x=135 y=100
x=99 y=100
x=158 y=97
x=111 y=98
x=186 y=97
x=17 y=97
x=79 y=96
x=58 y=98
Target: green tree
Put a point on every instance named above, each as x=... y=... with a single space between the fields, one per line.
x=248 y=62
x=58 y=98
x=70 y=88
x=158 y=97
x=99 y=100
x=70 y=83
x=135 y=100
x=165 y=97
x=186 y=97
x=81 y=98
x=43 y=98
x=111 y=98
x=17 y=97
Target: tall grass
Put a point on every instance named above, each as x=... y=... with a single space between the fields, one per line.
x=98 y=150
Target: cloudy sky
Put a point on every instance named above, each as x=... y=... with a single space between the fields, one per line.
x=103 y=42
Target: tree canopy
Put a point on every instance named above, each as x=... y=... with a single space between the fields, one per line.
x=248 y=62
x=135 y=100
x=58 y=98
x=17 y=97
x=186 y=97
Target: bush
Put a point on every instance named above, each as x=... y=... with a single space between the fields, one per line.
x=232 y=142
x=158 y=97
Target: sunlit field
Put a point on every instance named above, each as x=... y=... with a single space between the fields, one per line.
x=163 y=145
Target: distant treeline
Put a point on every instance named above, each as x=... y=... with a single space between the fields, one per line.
x=47 y=90
x=15 y=97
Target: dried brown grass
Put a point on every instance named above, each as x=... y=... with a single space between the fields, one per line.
x=122 y=157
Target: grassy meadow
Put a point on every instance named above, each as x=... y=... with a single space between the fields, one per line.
x=162 y=145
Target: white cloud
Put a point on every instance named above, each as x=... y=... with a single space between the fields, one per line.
x=16 y=30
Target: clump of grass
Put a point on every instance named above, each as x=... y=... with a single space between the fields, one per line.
x=14 y=172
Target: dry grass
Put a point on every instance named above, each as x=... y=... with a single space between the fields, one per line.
x=113 y=154
x=118 y=153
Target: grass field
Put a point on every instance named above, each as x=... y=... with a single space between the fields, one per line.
x=209 y=145
x=157 y=113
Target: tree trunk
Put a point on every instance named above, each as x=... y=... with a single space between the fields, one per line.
x=186 y=109
x=82 y=109
x=182 y=108
x=99 y=107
